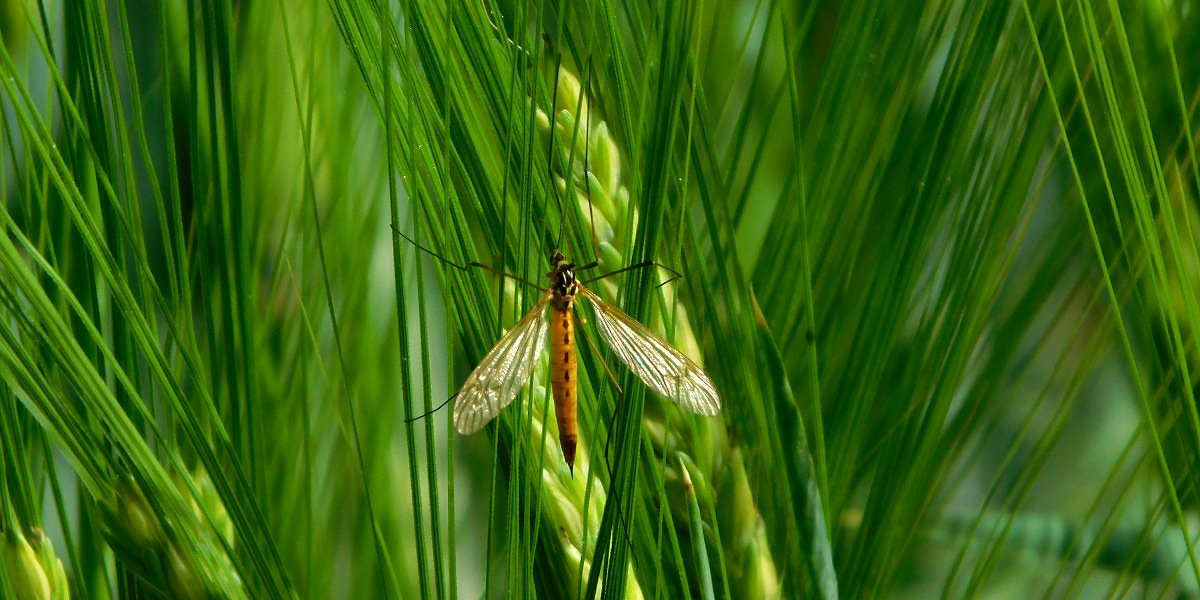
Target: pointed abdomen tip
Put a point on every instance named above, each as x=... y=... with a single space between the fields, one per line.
x=568 y=450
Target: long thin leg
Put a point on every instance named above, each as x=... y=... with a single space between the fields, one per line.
x=611 y=422
x=464 y=268
x=587 y=146
x=431 y=411
x=608 y=465
x=612 y=377
x=496 y=28
x=596 y=349
x=649 y=263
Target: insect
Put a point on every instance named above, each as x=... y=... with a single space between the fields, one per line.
x=503 y=372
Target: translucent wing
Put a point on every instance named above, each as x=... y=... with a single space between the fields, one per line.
x=663 y=368
x=503 y=372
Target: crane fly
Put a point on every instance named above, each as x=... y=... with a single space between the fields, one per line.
x=503 y=372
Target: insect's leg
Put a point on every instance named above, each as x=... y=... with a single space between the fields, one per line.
x=596 y=350
x=612 y=421
x=587 y=145
x=464 y=268
x=496 y=28
x=608 y=465
x=431 y=411
x=611 y=377
x=444 y=260
x=648 y=263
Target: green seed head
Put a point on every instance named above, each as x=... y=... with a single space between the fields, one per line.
x=22 y=570
x=185 y=581
x=56 y=575
x=134 y=519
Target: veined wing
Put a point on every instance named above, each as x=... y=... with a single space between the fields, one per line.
x=503 y=372
x=663 y=368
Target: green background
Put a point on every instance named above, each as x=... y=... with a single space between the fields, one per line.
x=940 y=258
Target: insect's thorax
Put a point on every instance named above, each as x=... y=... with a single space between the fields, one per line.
x=563 y=284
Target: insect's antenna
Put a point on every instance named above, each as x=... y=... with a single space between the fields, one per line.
x=468 y=266
x=431 y=411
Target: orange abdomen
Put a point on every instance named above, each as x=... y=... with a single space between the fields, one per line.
x=562 y=379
